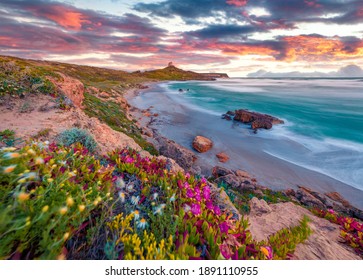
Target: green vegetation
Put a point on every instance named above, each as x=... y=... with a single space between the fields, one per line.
x=8 y=139
x=77 y=135
x=114 y=116
x=172 y=73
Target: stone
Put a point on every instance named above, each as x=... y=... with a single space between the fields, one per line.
x=242 y=173
x=257 y=120
x=231 y=180
x=202 y=144
x=308 y=199
x=220 y=171
x=222 y=157
x=258 y=207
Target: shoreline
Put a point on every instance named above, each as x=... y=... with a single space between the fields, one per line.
x=181 y=124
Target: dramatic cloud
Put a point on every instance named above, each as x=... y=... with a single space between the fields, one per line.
x=213 y=33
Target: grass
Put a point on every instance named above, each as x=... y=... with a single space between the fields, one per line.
x=114 y=116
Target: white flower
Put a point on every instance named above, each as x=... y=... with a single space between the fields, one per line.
x=122 y=196
x=142 y=223
x=155 y=196
x=135 y=200
x=136 y=214
x=172 y=198
x=120 y=183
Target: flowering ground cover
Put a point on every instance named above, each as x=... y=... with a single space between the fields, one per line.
x=64 y=202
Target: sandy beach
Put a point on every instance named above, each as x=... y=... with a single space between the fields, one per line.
x=181 y=123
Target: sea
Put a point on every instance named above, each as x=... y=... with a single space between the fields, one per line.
x=323 y=115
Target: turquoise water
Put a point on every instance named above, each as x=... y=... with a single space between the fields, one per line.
x=323 y=115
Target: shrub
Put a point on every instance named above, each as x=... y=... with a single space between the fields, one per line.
x=77 y=135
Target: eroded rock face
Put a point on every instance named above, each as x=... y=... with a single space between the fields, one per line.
x=202 y=144
x=324 y=242
x=257 y=120
x=70 y=87
x=222 y=157
x=181 y=155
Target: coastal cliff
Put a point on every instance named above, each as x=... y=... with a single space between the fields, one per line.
x=137 y=189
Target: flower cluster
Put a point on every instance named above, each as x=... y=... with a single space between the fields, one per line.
x=351 y=230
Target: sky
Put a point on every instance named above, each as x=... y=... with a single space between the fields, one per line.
x=230 y=36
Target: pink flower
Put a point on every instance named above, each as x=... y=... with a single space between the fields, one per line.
x=225 y=251
x=206 y=192
x=187 y=175
x=267 y=251
x=196 y=210
x=198 y=198
x=224 y=227
x=217 y=210
x=190 y=193
x=204 y=180
x=186 y=185
x=129 y=160
x=209 y=205
x=331 y=211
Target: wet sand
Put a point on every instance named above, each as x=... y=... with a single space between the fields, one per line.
x=181 y=123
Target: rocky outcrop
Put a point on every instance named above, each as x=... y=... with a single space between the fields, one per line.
x=220 y=171
x=222 y=157
x=184 y=157
x=324 y=242
x=202 y=144
x=70 y=87
x=256 y=120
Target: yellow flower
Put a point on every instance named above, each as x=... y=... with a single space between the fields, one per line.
x=31 y=152
x=21 y=181
x=95 y=203
x=28 y=223
x=9 y=149
x=81 y=208
x=70 y=201
x=23 y=196
x=71 y=174
x=45 y=208
x=9 y=169
x=12 y=155
x=39 y=161
x=54 y=166
x=63 y=210
x=66 y=236
x=50 y=180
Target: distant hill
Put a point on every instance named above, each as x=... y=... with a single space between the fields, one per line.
x=348 y=71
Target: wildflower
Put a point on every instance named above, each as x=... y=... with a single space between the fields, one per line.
x=267 y=251
x=71 y=174
x=331 y=211
x=159 y=209
x=8 y=149
x=70 y=201
x=54 y=166
x=226 y=252
x=186 y=185
x=23 y=196
x=187 y=175
x=12 y=155
x=136 y=214
x=129 y=160
x=142 y=223
x=209 y=205
x=172 y=198
x=31 y=152
x=206 y=192
x=120 y=183
x=9 y=169
x=39 y=161
x=66 y=236
x=217 y=210
x=135 y=200
x=63 y=210
x=30 y=175
x=81 y=208
x=198 y=198
x=122 y=196
x=155 y=196
x=224 y=227
x=190 y=193
x=45 y=208
x=130 y=187
x=187 y=208
x=204 y=180
x=50 y=180
x=22 y=181
x=196 y=210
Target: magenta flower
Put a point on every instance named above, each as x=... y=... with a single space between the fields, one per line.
x=204 y=180
x=190 y=193
x=217 y=210
x=187 y=175
x=331 y=211
x=209 y=205
x=206 y=192
x=224 y=227
x=196 y=210
x=186 y=185
x=225 y=251
x=198 y=198
x=129 y=160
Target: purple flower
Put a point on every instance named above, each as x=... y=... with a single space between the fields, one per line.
x=209 y=205
x=204 y=180
x=224 y=227
x=196 y=210
x=206 y=192
x=198 y=198
x=190 y=193
x=129 y=160
x=217 y=210
x=225 y=251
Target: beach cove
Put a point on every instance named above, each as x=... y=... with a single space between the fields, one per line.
x=178 y=119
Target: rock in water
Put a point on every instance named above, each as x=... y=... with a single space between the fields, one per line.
x=222 y=157
x=202 y=144
x=257 y=120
